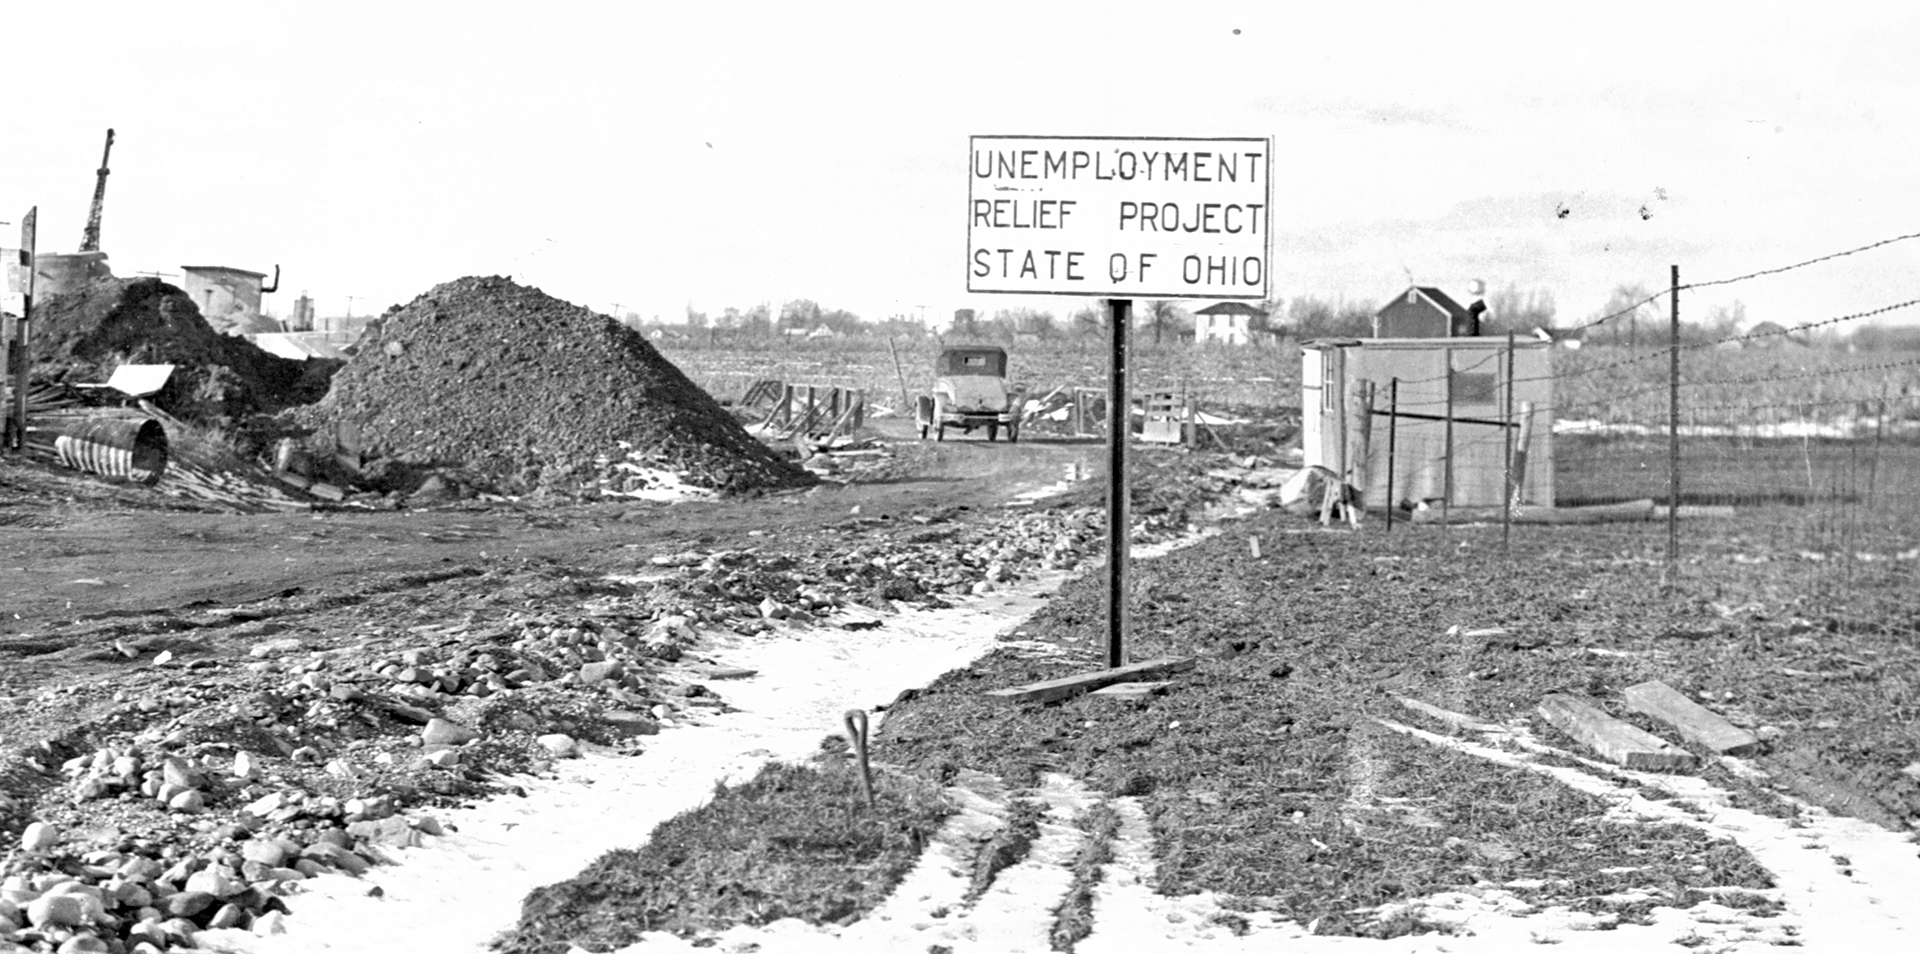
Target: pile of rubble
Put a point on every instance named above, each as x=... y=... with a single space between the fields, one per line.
x=219 y=380
x=532 y=394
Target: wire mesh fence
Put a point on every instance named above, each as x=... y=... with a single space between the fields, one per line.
x=1775 y=470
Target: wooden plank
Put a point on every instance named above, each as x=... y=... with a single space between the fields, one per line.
x=1053 y=690
x=1630 y=512
x=1614 y=740
x=1129 y=690
x=1695 y=722
x=1449 y=716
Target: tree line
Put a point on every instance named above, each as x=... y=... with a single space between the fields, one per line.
x=1636 y=317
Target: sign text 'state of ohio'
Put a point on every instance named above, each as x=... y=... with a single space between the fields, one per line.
x=1119 y=218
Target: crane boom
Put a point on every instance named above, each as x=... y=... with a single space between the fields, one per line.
x=90 y=239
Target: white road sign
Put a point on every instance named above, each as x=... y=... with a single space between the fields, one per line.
x=1119 y=218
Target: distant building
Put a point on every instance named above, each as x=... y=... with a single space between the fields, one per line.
x=1229 y=323
x=1426 y=312
x=229 y=298
x=302 y=319
x=59 y=274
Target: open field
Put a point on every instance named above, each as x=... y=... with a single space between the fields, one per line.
x=1254 y=377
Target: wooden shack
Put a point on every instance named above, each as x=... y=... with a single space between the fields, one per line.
x=1349 y=418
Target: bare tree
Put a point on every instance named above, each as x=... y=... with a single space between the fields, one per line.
x=1511 y=308
x=1626 y=308
x=1091 y=320
x=1164 y=315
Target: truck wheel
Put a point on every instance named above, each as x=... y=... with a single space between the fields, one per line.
x=993 y=432
x=1013 y=433
x=923 y=432
x=940 y=432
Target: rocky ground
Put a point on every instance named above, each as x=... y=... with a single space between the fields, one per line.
x=206 y=709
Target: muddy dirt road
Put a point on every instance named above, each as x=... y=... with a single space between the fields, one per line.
x=68 y=561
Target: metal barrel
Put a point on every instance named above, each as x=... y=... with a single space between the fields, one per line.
x=120 y=448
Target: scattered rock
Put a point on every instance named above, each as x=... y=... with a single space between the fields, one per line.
x=560 y=745
x=442 y=732
x=337 y=856
x=83 y=944
x=39 y=836
x=594 y=673
x=57 y=910
x=187 y=904
x=275 y=647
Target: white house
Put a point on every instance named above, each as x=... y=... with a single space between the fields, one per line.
x=1229 y=322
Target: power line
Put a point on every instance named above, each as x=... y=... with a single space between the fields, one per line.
x=1811 y=261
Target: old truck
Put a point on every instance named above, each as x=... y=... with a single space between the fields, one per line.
x=970 y=390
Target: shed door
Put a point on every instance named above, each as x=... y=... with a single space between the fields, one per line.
x=1320 y=407
x=1312 y=360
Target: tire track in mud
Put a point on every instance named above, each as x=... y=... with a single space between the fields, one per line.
x=1841 y=880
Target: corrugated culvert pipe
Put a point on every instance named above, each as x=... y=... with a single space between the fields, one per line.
x=121 y=448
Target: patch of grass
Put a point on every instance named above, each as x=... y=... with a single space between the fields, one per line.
x=791 y=842
x=1007 y=848
x=1073 y=919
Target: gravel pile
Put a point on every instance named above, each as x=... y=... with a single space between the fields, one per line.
x=219 y=380
x=533 y=393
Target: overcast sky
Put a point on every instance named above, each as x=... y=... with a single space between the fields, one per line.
x=653 y=156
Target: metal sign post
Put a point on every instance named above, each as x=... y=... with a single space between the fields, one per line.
x=1120 y=218
x=17 y=415
x=1119 y=524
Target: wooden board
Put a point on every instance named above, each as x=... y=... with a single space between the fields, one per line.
x=1695 y=722
x=1130 y=690
x=1612 y=739
x=1448 y=716
x=1630 y=512
x=1053 y=690
x=1633 y=511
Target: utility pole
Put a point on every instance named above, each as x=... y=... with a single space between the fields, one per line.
x=20 y=358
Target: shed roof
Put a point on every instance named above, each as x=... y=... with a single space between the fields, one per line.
x=1435 y=297
x=221 y=268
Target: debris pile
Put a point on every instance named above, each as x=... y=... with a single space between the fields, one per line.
x=531 y=392
x=219 y=380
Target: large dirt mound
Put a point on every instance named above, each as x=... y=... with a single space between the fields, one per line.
x=219 y=380
x=532 y=393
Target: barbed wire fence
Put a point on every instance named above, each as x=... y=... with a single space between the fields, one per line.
x=1758 y=472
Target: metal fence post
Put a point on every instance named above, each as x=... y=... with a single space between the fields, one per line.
x=1393 y=421
x=1506 y=484
x=1446 y=474
x=1673 y=437
x=1119 y=428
